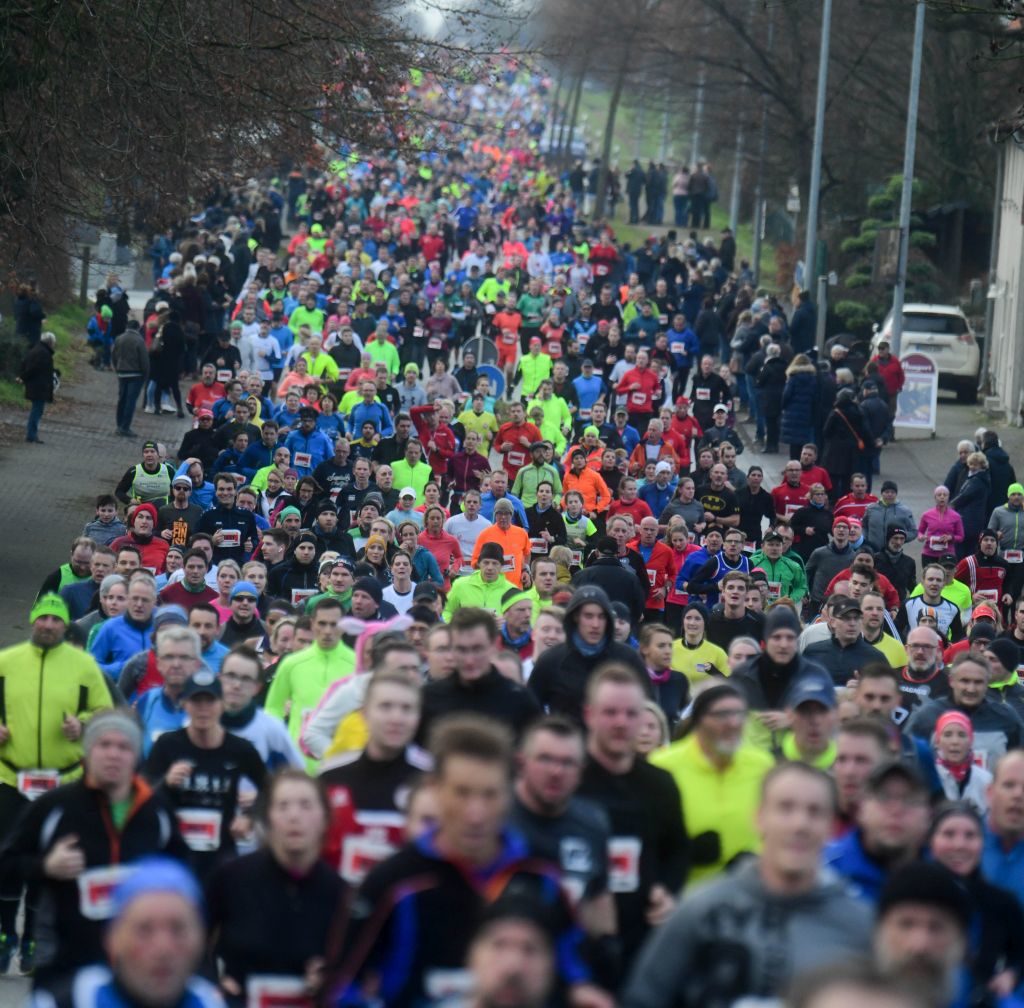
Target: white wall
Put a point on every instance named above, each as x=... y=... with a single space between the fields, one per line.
x=1007 y=337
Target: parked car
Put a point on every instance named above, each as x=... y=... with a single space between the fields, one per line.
x=943 y=332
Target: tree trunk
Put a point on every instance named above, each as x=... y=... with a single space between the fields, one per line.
x=568 y=139
x=609 y=132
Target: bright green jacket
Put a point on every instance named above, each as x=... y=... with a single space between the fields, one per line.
x=533 y=371
x=790 y=575
x=302 y=679
x=487 y=292
x=38 y=686
x=525 y=486
x=417 y=477
x=474 y=592
x=385 y=352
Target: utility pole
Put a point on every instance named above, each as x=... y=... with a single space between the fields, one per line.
x=811 y=245
x=698 y=117
x=907 y=198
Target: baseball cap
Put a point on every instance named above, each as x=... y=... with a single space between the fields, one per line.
x=772 y=536
x=150 y=444
x=845 y=605
x=622 y=410
x=426 y=591
x=983 y=611
x=721 y=408
x=811 y=689
x=244 y=588
x=895 y=768
x=204 y=414
x=407 y=492
x=200 y=683
x=682 y=401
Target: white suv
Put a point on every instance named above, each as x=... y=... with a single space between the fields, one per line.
x=943 y=332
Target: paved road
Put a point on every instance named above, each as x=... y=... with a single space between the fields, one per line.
x=49 y=490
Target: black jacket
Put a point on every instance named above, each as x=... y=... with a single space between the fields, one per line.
x=610 y=574
x=843 y=663
x=559 y=679
x=65 y=938
x=492 y=695
x=900 y=570
x=37 y=373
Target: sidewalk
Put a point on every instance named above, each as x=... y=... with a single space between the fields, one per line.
x=50 y=488
x=916 y=465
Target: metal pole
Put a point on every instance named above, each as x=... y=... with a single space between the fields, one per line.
x=83 y=284
x=819 y=335
x=993 y=265
x=759 y=204
x=811 y=245
x=907 y=197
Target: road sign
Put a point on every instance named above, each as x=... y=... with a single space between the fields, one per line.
x=917 y=404
x=495 y=377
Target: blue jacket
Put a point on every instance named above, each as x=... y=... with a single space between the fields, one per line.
x=158 y=715
x=117 y=640
x=317 y=445
x=848 y=857
x=255 y=457
x=656 y=498
x=799 y=398
x=375 y=413
x=684 y=347
x=1001 y=866
x=487 y=502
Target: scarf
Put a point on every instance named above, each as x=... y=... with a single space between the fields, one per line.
x=515 y=642
x=958 y=771
x=585 y=649
x=659 y=677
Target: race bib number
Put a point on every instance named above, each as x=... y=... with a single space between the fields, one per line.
x=33 y=783
x=601 y=270
x=582 y=338
x=96 y=889
x=271 y=991
x=774 y=590
x=538 y=546
x=748 y=548
x=224 y=374
x=299 y=595
x=200 y=828
x=990 y=595
x=678 y=348
x=490 y=309
x=508 y=563
x=508 y=337
x=434 y=343
x=623 y=864
x=303 y=460
x=584 y=414
x=936 y=543
x=638 y=398
x=360 y=854
x=792 y=509
x=179 y=533
x=576 y=558
x=230 y=537
x=652 y=576
x=516 y=458
x=704 y=394
x=554 y=349
x=343 y=373
x=1013 y=556
x=663 y=320
x=417 y=331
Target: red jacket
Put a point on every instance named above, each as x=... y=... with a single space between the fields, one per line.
x=514 y=458
x=683 y=432
x=442 y=436
x=891 y=372
x=639 y=400
x=660 y=571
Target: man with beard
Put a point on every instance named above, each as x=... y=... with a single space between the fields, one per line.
x=892 y=826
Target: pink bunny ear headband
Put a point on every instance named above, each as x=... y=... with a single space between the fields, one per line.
x=352 y=626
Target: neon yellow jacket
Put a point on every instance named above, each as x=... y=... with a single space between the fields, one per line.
x=534 y=370
x=473 y=591
x=38 y=686
x=718 y=801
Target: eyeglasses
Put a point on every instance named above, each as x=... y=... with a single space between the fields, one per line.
x=177 y=657
x=236 y=678
x=730 y=714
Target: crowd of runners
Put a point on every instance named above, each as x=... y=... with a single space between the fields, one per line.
x=455 y=657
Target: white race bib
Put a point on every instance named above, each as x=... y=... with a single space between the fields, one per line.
x=678 y=348
x=96 y=890
x=303 y=460
x=538 y=546
x=774 y=590
x=200 y=828
x=224 y=374
x=230 y=537
x=936 y=543
x=652 y=576
x=638 y=398
x=360 y=854
x=33 y=783
x=576 y=558
x=516 y=458
x=1013 y=556
x=434 y=343
x=299 y=595
x=508 y=563
x=704 y=394
x=624 y=864
x=271 y=991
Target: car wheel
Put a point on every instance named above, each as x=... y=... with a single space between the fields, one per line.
x=967 y=390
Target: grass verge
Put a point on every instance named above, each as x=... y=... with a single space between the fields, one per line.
x=68 y=324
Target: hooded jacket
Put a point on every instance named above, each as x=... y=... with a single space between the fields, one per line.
x=611 y=575
x=1000 y=471
x=799 y=397
x=559 y=678
x=880 y=517
x=733 y=940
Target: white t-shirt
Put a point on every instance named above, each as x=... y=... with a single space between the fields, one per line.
x=466 y=531
x=403 y=603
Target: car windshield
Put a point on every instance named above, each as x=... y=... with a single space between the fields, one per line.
x=945 y=325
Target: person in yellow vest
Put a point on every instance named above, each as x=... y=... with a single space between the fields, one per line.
x=719 y=779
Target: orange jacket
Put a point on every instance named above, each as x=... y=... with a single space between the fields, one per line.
x=596 y=495
x=515 y=547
